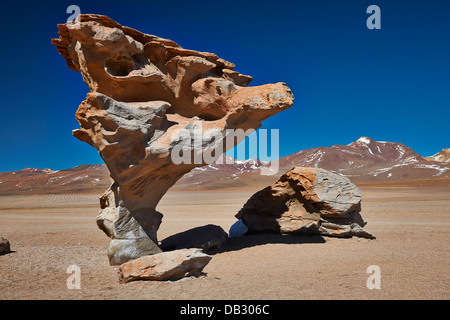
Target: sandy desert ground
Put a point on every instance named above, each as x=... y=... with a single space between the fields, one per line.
x=48 y=233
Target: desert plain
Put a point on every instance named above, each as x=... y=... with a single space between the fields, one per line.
x=50 y=232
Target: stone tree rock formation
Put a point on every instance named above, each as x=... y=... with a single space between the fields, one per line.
x=307 y=200
x=145 y=95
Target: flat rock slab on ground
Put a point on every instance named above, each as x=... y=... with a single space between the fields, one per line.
x=172 y=265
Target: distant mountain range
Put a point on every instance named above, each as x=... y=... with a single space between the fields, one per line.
x=363 y=161
x=370 y=160
x=80 y=179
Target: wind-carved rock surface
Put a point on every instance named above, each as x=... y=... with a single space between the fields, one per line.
x=306 y=200
x=145 y=93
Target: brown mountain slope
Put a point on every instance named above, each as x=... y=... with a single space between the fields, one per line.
x=81 y=179
x=368 y=160
x=364 y=161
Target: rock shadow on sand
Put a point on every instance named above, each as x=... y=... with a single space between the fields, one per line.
x=261 y=239
x=213 y=239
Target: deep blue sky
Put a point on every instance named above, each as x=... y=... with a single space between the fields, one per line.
x=391 y=84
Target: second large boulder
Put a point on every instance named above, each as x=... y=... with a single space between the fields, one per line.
x=307 y=200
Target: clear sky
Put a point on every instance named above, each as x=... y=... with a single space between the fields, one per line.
x=391 y=84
